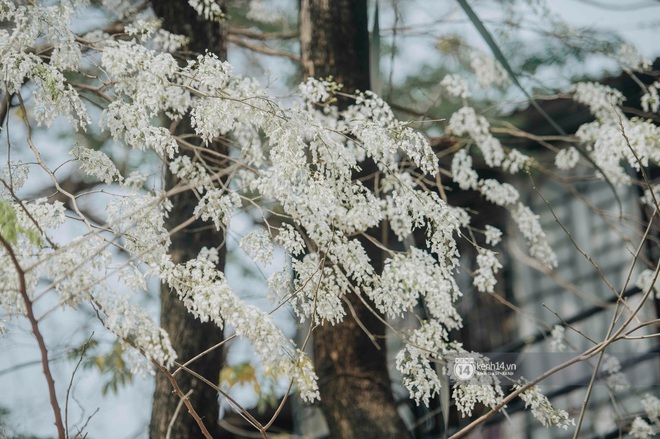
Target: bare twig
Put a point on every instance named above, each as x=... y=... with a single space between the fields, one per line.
x=265 y=50
x=73 y=374
x=175 y=414
x=262 y=35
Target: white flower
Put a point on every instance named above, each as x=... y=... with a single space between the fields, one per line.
x=493 y=235
x=558 y=341
x=502 y=194
x=456 y=86
x=97 y=164
x=418 y=375
x=316 y=91
x=258 y=246
x=218 y=206
x=567 y=158
x=209 y=9
x=616 y=380
x=142 y=28
x=640 y=429
x=603 y=101
x=462 y=172
x=630 y=58
x=516 y=161
x=320 y=291
x=406 y=278
x=488 y=266
x=529 y=225
x=140 y=219
x=543 y=410
x=290 y=239
x=207 y=295
x=489 y=71
x=651 y=406
x=131 y=322
x=14 y=175
x=484 y=391
x=650 y=100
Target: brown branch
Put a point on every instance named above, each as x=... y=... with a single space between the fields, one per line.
x=61 y=432
x=184 y=397
x=185 y=400
x=262 y=35
x=262 y=48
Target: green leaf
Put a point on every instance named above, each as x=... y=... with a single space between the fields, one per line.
x=8 y=222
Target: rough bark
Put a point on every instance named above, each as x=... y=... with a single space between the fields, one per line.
x=189 y=337
x=355 y=387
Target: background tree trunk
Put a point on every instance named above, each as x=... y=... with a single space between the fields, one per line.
x=356 y=393
x=189 y=337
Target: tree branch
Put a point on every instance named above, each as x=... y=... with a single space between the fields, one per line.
x=61 y=433
x=262 y=48
x=262 y=35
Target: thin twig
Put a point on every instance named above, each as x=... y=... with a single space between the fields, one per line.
x=176 y=414
x=265 y=50
x=73 y=374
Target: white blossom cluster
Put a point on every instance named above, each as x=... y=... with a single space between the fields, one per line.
x=567 y=158
x=602 y=101
x=488 y=266
x=306 y=162
x=630 y=58
x=140 y=220
x=456 y=86
x=414 y=362
x=78 y=271
x=640 y=429
x=543 y=410
x=651 y=406
x=217 y=206
x=96 y=164
x=290 y=240
x=530 y=227
x=633 y=141
x=408 y=277
x=493 y=235
x=616 y=379
x=259 y=246
x=486 y=391
x=558 y=338
x=208 y=9
x=489 y=71
x=53 y=95
x=14 y=174
x=131 y=322
x=467 y=122
x=207 y=295
x=319 y=291
x=613 y=139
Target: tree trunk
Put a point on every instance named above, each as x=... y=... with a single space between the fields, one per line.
x=189 y=337
x=355 y=387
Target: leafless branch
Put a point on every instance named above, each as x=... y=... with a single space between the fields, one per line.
x=265 y=50
x=61 y=432
x=262 y=35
